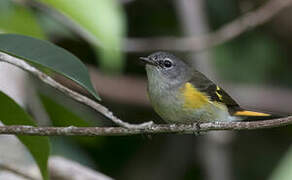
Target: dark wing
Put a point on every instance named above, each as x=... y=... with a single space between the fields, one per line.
x=215 y=93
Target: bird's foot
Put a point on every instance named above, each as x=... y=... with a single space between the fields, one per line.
x=197 y=128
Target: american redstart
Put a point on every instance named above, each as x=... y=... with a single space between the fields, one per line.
x=180 y=94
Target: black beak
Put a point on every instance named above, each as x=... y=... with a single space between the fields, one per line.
x=148 y=61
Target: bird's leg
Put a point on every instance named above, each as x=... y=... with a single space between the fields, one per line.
x=198 y=129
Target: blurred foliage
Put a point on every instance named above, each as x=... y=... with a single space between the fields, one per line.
x=255 y=154
x=18 y=19
x=104 y=21
x=221 y=12
x=12 y=114
x=260 y=56
x=283 y=171
x=61 y=116
x=150 y=19
x=251 y=58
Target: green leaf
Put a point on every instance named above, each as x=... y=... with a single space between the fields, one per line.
x=12 y=114
x=47 y=55
x=103 y=20
x=64 y=116
x=61 y=116
x=18 y=19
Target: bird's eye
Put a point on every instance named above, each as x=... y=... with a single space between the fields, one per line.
x=167 y=63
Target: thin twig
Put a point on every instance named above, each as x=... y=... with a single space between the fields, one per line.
x=78 y=97
x=154 y=129
x=17 y=172
x=226 y=33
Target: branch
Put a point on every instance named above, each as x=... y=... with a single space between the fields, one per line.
x=154 y=129
x=78 y=97
x=17 y=172
x=226 y=33
x=129 y=129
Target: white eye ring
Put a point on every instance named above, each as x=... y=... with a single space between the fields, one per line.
x=167 y=63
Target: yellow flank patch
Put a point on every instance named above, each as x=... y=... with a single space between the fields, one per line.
x=250 y=113
x=192 y=97
x=218 y=94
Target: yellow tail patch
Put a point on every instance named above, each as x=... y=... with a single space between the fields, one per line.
x=192 y=97
x=250 y=113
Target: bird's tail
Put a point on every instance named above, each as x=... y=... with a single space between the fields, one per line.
x=253 y=115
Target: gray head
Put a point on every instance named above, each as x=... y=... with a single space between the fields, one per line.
x=165 y=67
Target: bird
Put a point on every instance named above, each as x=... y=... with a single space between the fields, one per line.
x=182 y=95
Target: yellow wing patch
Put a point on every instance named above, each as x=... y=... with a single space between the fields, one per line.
x=250 y=113
x=192 y=97
x=218 y=94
